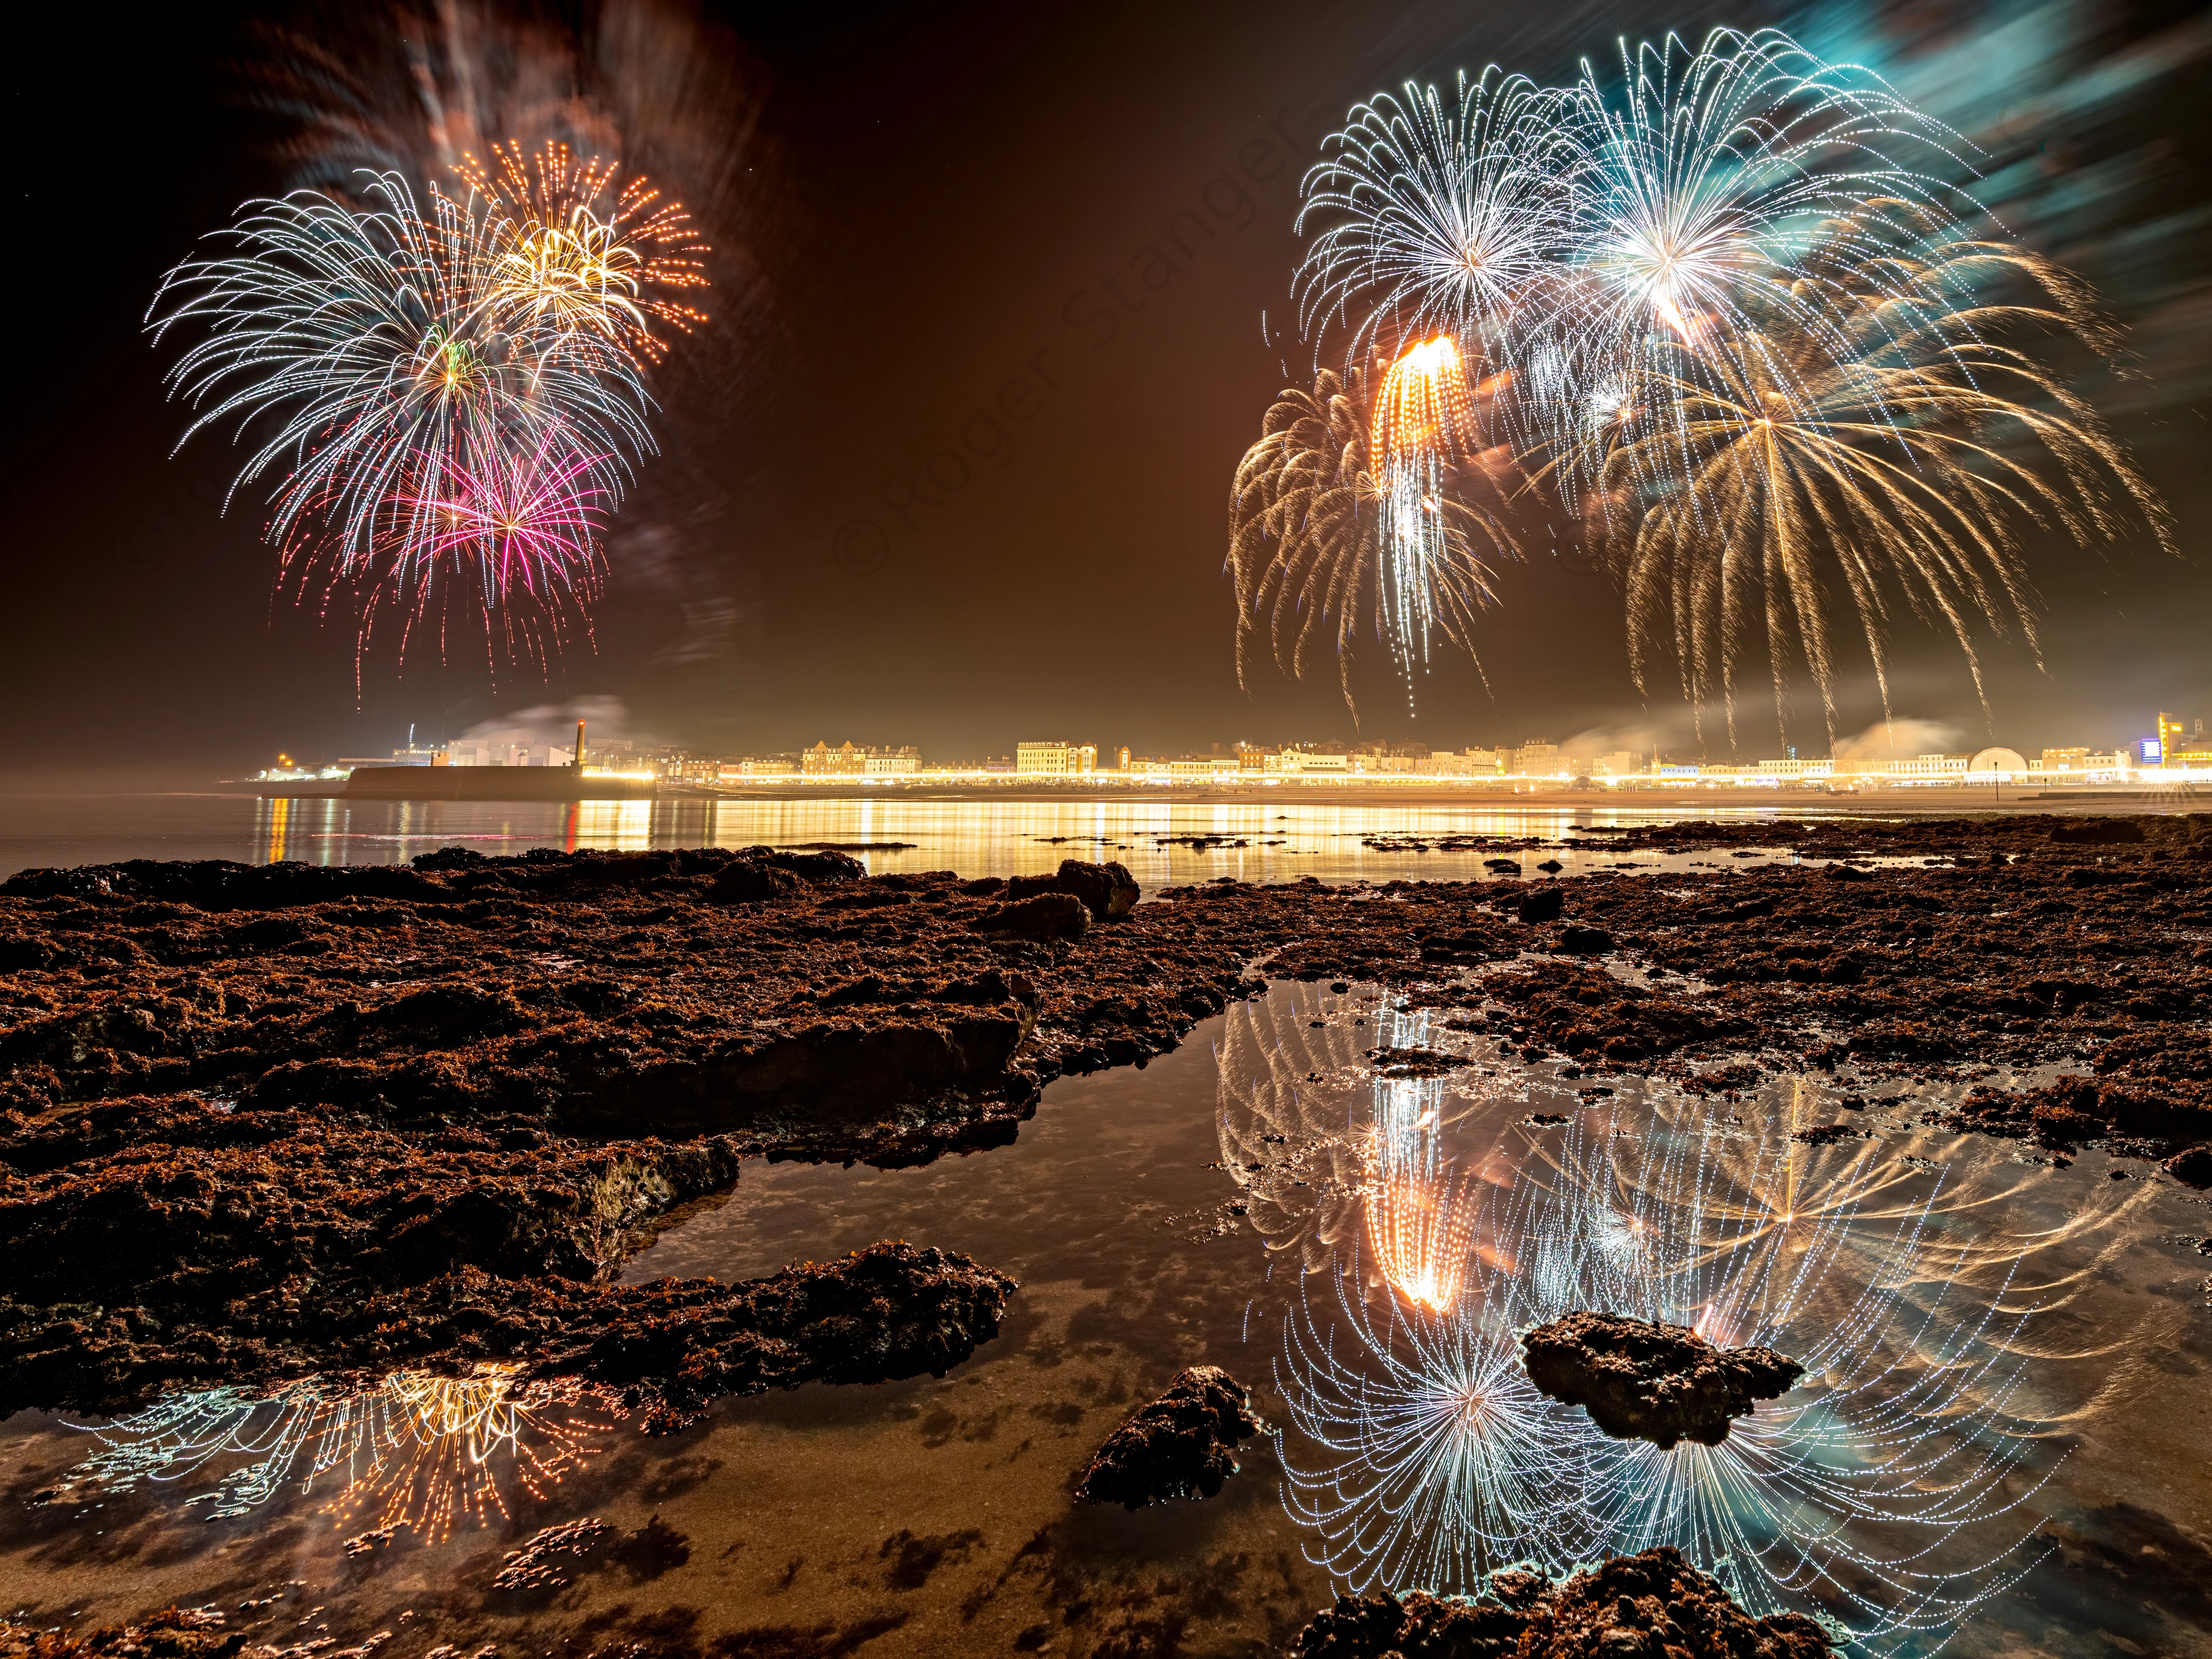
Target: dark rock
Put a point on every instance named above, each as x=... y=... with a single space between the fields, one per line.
x=1180 y=1445
x=1578 y=940
x=173 y=1633
x=1551 y=866
x=670 y=1348
x=1828 y=1134
x=1108 y=891
x=1045 y=916
x=753 y=884
x=2192 y=1168
x=1640 y=1380
x=1417 y=1062
x=2076 y=1108
x=1543 y=904
x=1584 y=1012
x=1655 y=1603
x=1418 y=1626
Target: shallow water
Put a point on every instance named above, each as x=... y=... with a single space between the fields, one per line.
x=2038 y=1337
x=977 y=838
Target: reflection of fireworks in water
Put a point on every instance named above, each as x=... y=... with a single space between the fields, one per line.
x=1440 y=1459
x=1884 y=1491
x=422 y=1451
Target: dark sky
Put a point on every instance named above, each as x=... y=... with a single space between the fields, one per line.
x=927 y=480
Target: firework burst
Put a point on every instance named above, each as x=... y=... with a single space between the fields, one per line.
x=583 y=255
x=1901 y=470
x=429 y=377
x=1728 y=313
x=1440 y=218
x=1322 y=537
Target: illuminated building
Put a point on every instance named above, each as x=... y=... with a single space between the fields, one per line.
x=1058 y=760
x=1302 y=762
x=1536 y=758
x=850 y=760
x=490 y=751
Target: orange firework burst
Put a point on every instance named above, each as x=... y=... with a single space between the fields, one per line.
x=1421 y=1236
x=1425 y=413
x=588 y=255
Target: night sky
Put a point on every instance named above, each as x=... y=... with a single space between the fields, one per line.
x=951 y=467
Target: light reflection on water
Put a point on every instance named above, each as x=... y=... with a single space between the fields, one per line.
x=1282 y=840
x=1893 y=1489
x=1156 y=1220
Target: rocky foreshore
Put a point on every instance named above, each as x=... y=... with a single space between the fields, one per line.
x=261 y=1121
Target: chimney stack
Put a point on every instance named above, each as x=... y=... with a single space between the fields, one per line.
x=580 y=746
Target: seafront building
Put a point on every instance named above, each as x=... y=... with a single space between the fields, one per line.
x=848 y=760
x=1055 y=760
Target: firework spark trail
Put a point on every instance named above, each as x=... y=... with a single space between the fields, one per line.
x=584 y=255
x=1703 y=182
x=485 y=350
x=1733 y=323
x=1320 y=536
x=1439 y=219
x=419 y=1449
x=1908 y=465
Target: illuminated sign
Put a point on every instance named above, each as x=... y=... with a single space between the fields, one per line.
x=2152 y=748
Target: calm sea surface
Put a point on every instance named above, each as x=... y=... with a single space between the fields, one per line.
x=1999 y=1445
x=1280 y=842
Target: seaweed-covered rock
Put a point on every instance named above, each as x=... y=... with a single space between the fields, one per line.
x=1417 y=1061
x=1542 y=904
x=1417 y=1626
x=1584 y=1012
x=1182 y=1444
x=1657 y=1603
x=1041 y=916
x=1108 y=891
x=172 y=1633
x=670 y=1348
x=1640 y=1380
x=1654 y=1604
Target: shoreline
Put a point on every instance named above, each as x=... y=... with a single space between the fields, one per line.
x=1639 y=799
x=514 y=1052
